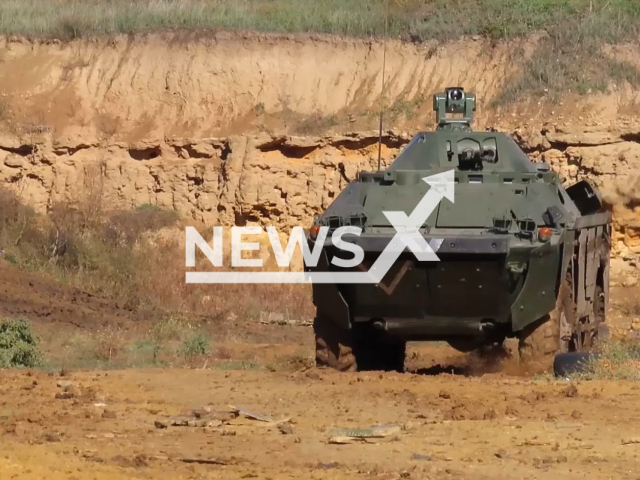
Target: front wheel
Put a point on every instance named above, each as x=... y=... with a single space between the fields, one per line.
x=355 y=349
x=541 y=341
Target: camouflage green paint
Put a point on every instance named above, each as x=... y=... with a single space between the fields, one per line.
x=494 y=270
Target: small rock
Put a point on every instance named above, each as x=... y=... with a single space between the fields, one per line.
x=313 y=375
x=510 y=411
x=201 y=412
x=420 y=456
x=502 y=454
x=64 y=383
x=576 y=414
x=109 y=414
x=65 y=395
x=571 y=391
x=159 y=424
x=490 y=414
x=285 y=428
x=52 y=437
x=444 y=394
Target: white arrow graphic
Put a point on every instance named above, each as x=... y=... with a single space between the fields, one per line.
x=407 y=235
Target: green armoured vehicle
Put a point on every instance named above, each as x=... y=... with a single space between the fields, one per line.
x=520 y=256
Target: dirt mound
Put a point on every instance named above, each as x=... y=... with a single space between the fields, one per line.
x=30 y=295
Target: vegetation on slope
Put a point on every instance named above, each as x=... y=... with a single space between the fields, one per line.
x=417 y=19
x=132 y=258
x=124 y=255
x=569 y=58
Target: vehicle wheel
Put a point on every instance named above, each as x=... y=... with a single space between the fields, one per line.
x=586 y=336
x=355 y=350
x=541 y=341
x=570 y=363
x=334 y=346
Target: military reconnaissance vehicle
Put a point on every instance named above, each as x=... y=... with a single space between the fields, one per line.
x=520 y=256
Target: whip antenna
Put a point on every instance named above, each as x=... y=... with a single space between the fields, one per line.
x=384 y=64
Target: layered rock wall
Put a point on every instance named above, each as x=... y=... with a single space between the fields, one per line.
x=284 y=180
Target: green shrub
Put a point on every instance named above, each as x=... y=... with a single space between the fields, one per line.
x=195 y=345
x=18 y=344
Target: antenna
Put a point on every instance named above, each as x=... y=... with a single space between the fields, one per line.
x=384 y=64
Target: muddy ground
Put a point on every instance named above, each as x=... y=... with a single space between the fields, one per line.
x=453 y=418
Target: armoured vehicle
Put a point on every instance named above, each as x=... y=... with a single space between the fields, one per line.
x=518 y=255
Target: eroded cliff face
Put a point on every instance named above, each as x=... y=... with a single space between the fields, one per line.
x=285 y=180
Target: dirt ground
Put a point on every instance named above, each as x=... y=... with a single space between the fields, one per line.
x=450 y=426
x=452 y=419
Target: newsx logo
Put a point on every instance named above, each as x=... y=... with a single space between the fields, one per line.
x=407 y=236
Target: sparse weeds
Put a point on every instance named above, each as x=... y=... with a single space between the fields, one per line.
x=616 y=359
x=316 y=124
x=570 y=57
x=126 y=257
x=406 y=108
x=84 y=245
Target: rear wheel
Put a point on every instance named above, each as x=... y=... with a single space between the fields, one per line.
x=561 y=331
x=355 y=349
x=587 y=328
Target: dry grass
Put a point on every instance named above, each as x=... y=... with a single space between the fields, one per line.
x=570 y=59
x=615 y=359
x=417 y=20
x=121 y=255
x=135 y=259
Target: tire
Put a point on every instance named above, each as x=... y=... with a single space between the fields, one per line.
x=334 y=346
x=539 y=342
x=355 y=349
x=570 y=363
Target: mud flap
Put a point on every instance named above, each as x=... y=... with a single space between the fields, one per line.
x=538 y=295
